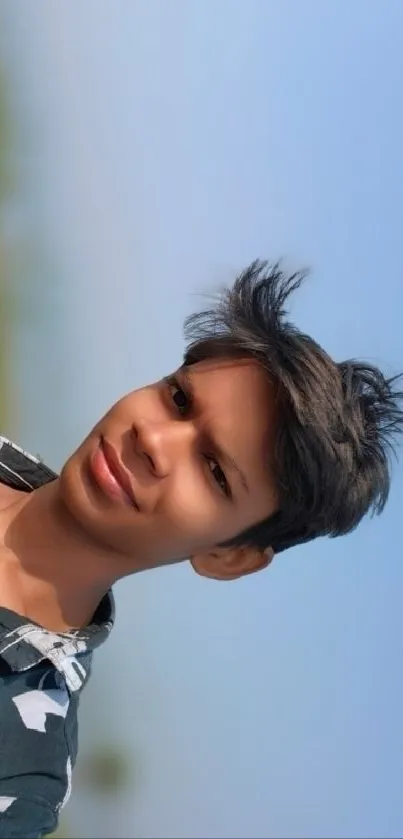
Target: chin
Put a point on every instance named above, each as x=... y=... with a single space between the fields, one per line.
x=75 y=491
x=91 y=513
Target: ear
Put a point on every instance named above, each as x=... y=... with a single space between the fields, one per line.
x=231 y=563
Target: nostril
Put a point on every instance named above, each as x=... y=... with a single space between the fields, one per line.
x=141 y=445
x=150 y=460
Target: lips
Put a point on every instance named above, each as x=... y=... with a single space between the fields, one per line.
x=111 y=475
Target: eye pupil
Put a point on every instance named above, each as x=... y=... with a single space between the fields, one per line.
x=180 y=399
x=219 y=476
x=178 y=396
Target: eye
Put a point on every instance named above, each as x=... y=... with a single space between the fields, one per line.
x=183 y=405
x=219 y=476
x=178 y=396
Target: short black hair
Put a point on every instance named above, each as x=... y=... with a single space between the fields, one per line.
x=338 y=422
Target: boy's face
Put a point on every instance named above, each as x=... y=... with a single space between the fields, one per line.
x=196 y=450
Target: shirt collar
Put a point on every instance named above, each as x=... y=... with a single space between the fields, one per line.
x=24 y=644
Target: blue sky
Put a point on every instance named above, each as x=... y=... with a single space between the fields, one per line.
x=165 y=146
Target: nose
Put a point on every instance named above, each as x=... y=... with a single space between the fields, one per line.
x=161 y=443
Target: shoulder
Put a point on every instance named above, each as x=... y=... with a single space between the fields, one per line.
x=38 y=735
x=7 y=496
x=25 y=817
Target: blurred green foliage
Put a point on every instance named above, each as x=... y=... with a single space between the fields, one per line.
x=106 y=770
x=6 y=307
x=60 y=833
x=5 y=131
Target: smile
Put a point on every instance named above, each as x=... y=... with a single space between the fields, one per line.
x=110 y=474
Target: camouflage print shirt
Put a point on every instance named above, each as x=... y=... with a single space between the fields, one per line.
x=42 y=674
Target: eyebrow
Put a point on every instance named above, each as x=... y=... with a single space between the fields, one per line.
x=222 y=454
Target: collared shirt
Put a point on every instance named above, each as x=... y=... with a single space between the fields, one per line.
x=42 y=674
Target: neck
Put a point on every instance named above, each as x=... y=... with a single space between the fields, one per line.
x=53 y=574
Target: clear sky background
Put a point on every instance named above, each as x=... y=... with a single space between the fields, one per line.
x=162 y=146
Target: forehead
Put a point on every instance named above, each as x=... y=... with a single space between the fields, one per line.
x=233 y=373
x=240 y=399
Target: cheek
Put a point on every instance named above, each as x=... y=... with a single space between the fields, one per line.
x=190 y=512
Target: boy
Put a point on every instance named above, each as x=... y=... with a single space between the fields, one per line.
x=259 y=442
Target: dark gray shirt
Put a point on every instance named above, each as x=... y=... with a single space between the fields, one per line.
x=42 y=674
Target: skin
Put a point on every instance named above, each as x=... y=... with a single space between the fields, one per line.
x=64 y=545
